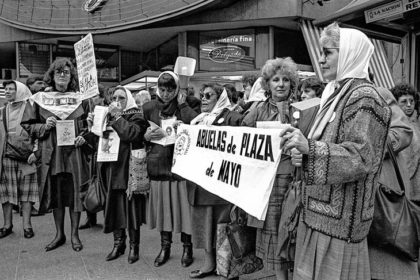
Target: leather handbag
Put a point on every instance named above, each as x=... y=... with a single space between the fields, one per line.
x=18 y=147
x=138 y=180
x=396 y=219
x=95 y=197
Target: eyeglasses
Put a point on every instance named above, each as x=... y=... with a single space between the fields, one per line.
x=61 y=72
x=207 y=95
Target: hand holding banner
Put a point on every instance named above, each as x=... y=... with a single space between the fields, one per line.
x=238 y=164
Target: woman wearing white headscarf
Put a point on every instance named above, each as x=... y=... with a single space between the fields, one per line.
x=168 y=209
x=121 y=211
x=341 y=158
x=18 y=181
x=208 y=209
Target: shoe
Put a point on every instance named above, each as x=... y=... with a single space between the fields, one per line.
x=77 y=247
x=197 y=274
x=6 y=231
x=119 y=245
x=89 y=222
x=28 y=233
x=133 y=254
x=165 y=252
x=187 y=255
x=54 y=245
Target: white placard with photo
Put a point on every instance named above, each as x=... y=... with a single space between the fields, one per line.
x=66 y=132
x=108 y=147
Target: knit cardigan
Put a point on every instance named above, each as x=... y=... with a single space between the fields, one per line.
x=342 y=166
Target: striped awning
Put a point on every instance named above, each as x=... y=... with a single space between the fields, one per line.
x=378 y=63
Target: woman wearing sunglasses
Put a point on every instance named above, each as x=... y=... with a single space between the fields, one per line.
x=208 y=209
x=168 y=209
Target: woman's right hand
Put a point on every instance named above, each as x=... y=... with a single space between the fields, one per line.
x=89 y=120
x=51 y=122
x=154 y=134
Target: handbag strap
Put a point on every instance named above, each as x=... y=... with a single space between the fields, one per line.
x=395 y=164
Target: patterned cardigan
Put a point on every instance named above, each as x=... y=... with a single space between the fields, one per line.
x=342 y=166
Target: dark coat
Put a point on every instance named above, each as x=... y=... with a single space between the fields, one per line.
x=130 y=128
x=197 y=196
x=33 y=121
x=159 y=158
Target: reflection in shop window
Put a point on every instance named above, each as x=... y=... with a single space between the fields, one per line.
x=227 y=50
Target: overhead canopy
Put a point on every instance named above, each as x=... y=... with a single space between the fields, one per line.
x=73 y=17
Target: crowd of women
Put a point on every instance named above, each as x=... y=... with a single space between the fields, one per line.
x=336 y=152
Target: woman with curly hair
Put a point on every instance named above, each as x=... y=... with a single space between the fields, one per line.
x=63 y=170
x=279 y=80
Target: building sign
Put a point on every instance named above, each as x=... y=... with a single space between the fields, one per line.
x=226 y=54
x=91 y=5
x=227 y=50
x=86 y=67
x=384 y=11
x=409 y=5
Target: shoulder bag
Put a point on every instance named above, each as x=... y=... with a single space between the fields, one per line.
x=396 y=219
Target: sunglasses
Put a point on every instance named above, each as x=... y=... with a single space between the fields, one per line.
x=62 y=72
x=207 y=95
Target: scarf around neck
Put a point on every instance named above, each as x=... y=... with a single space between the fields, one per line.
x=353 y=62
x=208 y=118
x=60 y=104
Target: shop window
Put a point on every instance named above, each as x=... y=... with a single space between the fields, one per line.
x=107 y=60
x=33 y=59
x=231 y=50
x=292 y=44
x=130 y=64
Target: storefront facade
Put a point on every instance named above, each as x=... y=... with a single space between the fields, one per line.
x=396 y=22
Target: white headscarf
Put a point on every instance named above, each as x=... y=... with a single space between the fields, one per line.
x=22 y=92
x=208 y=118
x=131 y=103
x=176 y=78
x=353 y=62
x=257 y=92
x=353 y=59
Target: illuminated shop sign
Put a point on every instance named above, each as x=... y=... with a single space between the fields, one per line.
x=91 y=5
x=227 y=50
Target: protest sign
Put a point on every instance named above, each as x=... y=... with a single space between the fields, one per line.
x=108 y=147
x=238 y=164
x=86 y=67
x=66 y=132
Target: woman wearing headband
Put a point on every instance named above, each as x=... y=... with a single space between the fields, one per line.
x=169 y=210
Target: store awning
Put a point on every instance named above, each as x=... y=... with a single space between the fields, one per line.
x=311 y=35
x=378 y=63
x=349 y=11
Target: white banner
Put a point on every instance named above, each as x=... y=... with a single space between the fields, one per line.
x=86 y=67
x=238 y=164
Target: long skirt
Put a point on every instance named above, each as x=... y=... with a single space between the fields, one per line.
x=322 y=257
x=64 y=193
x=16 y=187
x=121 y=213
x=204 y=222
x=168 y=207
x=385 y=265
x=266 y=241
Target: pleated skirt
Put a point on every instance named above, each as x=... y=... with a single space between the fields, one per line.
x=168 y=207
x=322 y=257
x=16 y=187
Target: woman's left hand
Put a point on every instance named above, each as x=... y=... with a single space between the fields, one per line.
x=79 y=141
x=129 y=193
x=182 y=96
x=294 y=138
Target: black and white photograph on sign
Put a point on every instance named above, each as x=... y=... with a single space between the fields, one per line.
x=210 y=139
